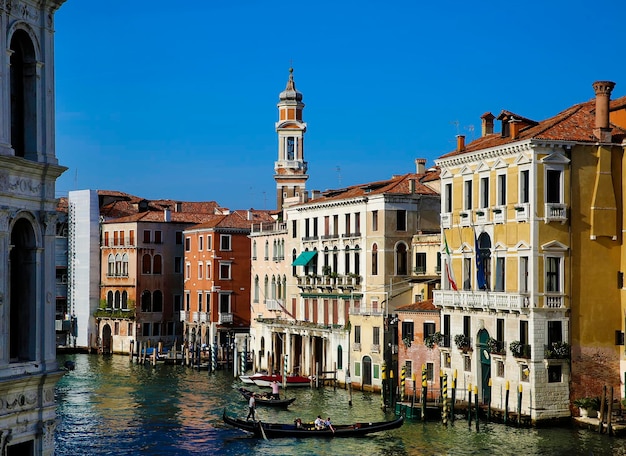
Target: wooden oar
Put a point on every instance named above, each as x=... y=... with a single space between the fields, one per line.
x=260 y=425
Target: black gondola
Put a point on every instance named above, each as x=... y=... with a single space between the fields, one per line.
x=266 y=401
x=274 y=430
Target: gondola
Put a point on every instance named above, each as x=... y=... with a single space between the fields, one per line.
x=266 y=401
x=292 y=380
x=274 y=430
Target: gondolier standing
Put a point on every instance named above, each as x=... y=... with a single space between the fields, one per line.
x=275 y=386
x=251 y=408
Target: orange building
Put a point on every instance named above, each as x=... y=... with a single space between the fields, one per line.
x=216 y=306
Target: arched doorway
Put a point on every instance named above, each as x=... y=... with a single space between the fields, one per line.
x=485 y=364
x=367 y=371
x=23 y=307
x=107 y=339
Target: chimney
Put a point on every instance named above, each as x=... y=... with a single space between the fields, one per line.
x=514 y=126
x=602 y=130
x=487 y=123
x=167 y=216
x=460 y=143
x=412 y=186
x=420 y=165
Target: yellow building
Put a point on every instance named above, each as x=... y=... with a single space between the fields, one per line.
x=532 y=218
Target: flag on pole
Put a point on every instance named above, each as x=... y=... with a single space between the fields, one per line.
x=481 y=281
x=449 y=271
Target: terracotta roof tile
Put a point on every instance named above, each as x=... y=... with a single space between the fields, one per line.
x=422 y=306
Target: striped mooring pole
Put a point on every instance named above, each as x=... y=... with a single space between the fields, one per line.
x=424 y=391
x=214 y=358
x=285 y=371
x=402 y=380
x=444 y=412
x=242 y=363
x=469 y=405
x=383 y=371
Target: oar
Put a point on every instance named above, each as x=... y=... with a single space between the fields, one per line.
x=260 y=424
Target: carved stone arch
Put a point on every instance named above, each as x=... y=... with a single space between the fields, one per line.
x=21 y=26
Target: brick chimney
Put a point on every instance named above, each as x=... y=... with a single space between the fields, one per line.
x=420 y=165
x=460 y=143
x=487 y=123
x=514 y=127
x=602 y=130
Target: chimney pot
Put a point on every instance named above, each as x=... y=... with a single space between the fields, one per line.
x=460 y=143
x=487 y=123
x=514 y=127
x=603 y=90
x=420 y=165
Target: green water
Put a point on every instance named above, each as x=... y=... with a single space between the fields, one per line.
x=108 y=406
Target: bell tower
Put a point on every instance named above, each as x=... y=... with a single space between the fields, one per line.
x=290 y=168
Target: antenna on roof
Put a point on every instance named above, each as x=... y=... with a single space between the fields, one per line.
x=456 y=125
x=470 y=128
x=339 y=176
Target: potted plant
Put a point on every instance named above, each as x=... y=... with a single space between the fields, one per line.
x=494 y=346
x=326 y=270
x=516 y=348
x=433 y=339
x=588 y=406
x=557 y=350
x=407 y=342
x=462 y=342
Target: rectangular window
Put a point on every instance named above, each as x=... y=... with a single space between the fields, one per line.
x=200 y=243
x=187 y=244
x=306 y=228
x=500 y=329
x=501 y=189
x=468 y=195
x=420 y=263
x=178 y=303
x=200 y=270
x=357 y=223
x=187 y=271
x=553 y=186
x=523 y=332
x=524 y=189
x=145 y=329
x=225 y=242
x=115 y=238
x=555 y=331
x=326 y=225
x=438 y=266
x=357 y=334
x=116 y=330
x=523 y=271
x=158 y=237
x=484 y=192
x=500 y=274
x=467 y=326
x=408 y=369
x=407 y=330
x=446 y=330
x=553 y=265
x=429 y=329
x=225 y=271
x=209 y=242
x=467 y=273
x=430 y=372
x=199 y=302
x=178 y=265
x=146 y=236
x=294 y=228
x=374 y=220
x=376 y=335
x=347 y=220
x=179 y=237
x=314 y=226
x=401 y=220
x=131 y=237
x=500 y=368
x=335 y=225
x=448 y=199
x=467 y=363
x=555 y=373
x=225 y=303
x=106 y=238
x=208 y=302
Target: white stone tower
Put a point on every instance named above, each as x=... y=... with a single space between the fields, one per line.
x=290 y=168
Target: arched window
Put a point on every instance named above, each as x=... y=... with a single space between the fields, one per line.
x=284 y=288
x=279 y=288
x=124 y=300
x=146 y=264
x=294 y=255
x=267 y=250
x=125 y=265
x=117 y=304
x=357 y=260
x=281 y=253
x=325 y=269
x=401 y=259
x=254 y=250
x=346 y=262
x=158 y=264
x=146 y=301
x=266 y=289
x=273 y=287
x=335 y=259
x=375 y=259
x=111 y=265
x=274 y=251
x=23 y=96
x=118 y=265
x=256 y=289
x=110 y=300
x=157 y=301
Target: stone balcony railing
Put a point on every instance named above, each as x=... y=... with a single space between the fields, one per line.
x=225 y=318
x=328 y=282
x=492 y=300
x=361 y=310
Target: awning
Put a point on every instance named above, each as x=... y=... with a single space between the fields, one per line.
x=304 y=258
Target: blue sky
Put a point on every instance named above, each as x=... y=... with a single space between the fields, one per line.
x=177 y=100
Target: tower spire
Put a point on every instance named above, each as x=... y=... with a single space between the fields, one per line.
x=290 y=168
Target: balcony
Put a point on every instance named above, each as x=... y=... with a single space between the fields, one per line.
x=203 y=317
x=351 y=235
x=274 y=304
x=554 y=301
x=466 y=218
x=499 y=214
x=269 y=227
x=225 y=318
x=555 y=212
x=480 y=300
x=360 y=310
x=446 y=220
x=522 y=212
x=183 y=315
x=482 y=216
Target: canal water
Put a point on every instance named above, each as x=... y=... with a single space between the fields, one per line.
x=109 y=406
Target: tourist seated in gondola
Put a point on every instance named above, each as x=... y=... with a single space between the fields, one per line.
x=298 y=423
x=319 y=423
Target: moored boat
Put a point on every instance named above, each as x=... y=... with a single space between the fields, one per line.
x=249 y=379
x=292 y=380
x=277 y=430
x=266 y=401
